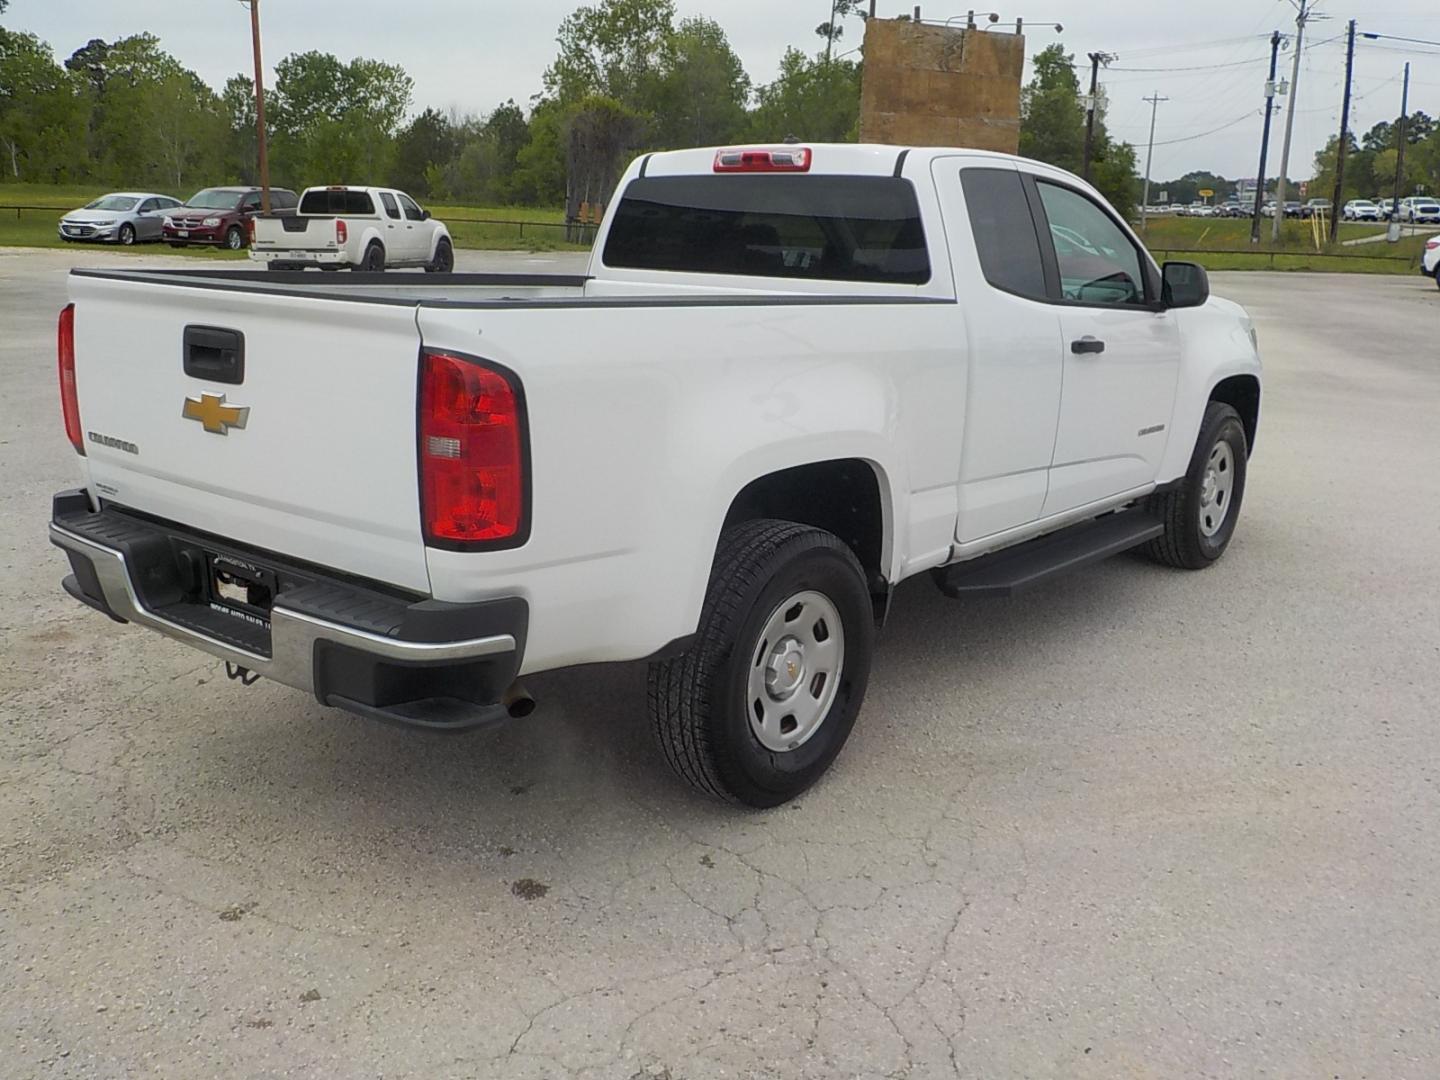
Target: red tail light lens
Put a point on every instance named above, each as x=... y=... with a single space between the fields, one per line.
x=69 y=400
x=341 y=232
x=472 y=454
x=796 y=160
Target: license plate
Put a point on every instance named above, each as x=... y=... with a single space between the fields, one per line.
x=241 y=588
x=182 y=232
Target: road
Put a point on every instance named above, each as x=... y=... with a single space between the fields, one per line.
x=1140 y=823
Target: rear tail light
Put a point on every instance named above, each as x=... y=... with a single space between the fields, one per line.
x=341 y=232
x=796 y=160
x=1431 y=245
x=69 y=401
x=473 y=489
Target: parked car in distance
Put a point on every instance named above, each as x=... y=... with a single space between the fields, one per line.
x=1361 y=210
x=1386 y=208
x=122 y=217
x=1314 y=207
x=1430 y=261
x=1421 y=210
x=362 y=228
x=221 y=215
x=1293 y=209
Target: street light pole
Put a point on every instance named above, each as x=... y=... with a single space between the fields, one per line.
x=1265 y=139
x=260 y=107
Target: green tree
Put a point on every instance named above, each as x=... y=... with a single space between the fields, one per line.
x=336 y=121
x=41 y=108
x=700 y=93
x=1052 y=129
x=832 y=29
x=611 y=50
x=429 y=141
x=811 y=99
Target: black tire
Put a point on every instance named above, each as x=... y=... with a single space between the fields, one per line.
x=1185 y=544
x=235 y=238
x=444 y=260
x=126 y=236
x=698 y=700
x=374 y=260
x=1437 y=274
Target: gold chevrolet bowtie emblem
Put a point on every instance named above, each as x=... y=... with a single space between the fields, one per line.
x=211 y=410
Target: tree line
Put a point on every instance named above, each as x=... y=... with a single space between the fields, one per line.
x=126 y=113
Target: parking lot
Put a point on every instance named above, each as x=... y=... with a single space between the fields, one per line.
x=1139 y=823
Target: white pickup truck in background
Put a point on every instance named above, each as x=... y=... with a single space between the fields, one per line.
x=360 y=228
x=792 y=378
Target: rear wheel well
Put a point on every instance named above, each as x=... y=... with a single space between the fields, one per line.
x=1241 y=393
x=840 y=496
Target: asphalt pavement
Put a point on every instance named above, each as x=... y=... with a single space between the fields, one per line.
x=1139 y=823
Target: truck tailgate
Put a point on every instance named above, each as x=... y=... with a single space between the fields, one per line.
x=324 y=467
x=294 y=232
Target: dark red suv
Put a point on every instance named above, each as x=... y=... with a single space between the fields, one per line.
x=218 y=215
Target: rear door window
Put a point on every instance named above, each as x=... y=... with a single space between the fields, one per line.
x=1004 y=231
x=831 y=228
x=392 y=209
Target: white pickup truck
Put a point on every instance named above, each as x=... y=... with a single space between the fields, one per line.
x=792 y=378
x=362 y=228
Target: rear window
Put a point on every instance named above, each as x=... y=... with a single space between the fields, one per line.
x=325 y=201
x=828 y=228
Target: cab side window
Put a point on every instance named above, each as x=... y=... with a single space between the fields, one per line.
x=1004 y=231
x=251 y=203
x=1098 y=262
x=412 y=211
x=388 y=201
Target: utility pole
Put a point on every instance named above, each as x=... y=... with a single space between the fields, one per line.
x=1265 y=138
x=1300 y=21
x=1154 y=101
x=260 y=107
x=1096 y=59
x=1400 y=155
x=1342 y=145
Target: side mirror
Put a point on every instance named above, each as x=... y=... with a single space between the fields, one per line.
x=1184 y=284
x=424 y=215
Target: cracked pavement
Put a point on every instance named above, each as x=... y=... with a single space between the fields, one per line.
x=1139 y=823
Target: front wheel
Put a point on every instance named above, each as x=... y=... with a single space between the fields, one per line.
x=761 y=703
x=1200 y=513
x=234 y=238
x=444 y=260
x=127 y=235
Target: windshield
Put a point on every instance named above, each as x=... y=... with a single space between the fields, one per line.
x=112 y=202
x=214 y=199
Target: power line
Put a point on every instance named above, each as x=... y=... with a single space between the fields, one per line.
x=1213 y=131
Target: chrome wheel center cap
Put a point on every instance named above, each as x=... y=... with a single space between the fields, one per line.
x=1207 y=489
x=785 y=670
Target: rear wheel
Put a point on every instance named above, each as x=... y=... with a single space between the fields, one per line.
x=1200 y=513
x=374 y=260
x=127 y=234
x=444 y=260
x=234 y=238
x=761 y=703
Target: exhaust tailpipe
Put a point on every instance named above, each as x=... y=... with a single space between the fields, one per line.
x=518 y=702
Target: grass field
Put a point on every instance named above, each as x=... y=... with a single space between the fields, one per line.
x=1224 y=244
x=500 y=228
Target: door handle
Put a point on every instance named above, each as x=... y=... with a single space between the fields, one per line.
x=1087 y=344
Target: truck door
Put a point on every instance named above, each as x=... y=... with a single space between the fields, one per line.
x=1014 y=346
x=1121 y=356
x=415 y=233
x=392 y=225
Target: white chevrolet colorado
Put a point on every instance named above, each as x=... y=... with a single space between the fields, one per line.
x=362 y=228
x=792 y=378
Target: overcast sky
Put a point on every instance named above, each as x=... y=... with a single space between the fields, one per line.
x=473 y=54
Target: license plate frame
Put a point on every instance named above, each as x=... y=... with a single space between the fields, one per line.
x=239 y=588
x=182 y=232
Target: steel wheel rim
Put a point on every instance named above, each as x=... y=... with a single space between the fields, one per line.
x=795 y=670
x=233 y=240
x=127 y=235
x=1217 y=489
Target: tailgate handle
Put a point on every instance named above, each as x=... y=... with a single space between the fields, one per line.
x=215 y=354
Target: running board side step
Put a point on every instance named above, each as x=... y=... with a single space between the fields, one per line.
x=1036 y=561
